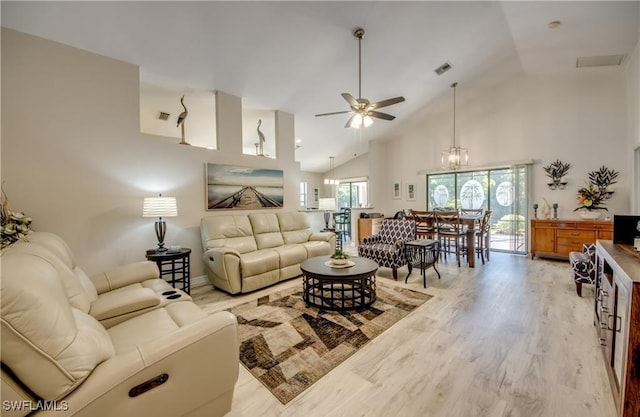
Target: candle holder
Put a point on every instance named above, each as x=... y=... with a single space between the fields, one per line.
x=555 y=210
x=535 y=210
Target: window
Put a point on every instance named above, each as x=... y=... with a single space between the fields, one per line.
x=501 y=190
x=303 y=194
x=352 y=193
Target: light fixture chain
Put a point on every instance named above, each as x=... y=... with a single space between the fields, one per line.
x=359 y=68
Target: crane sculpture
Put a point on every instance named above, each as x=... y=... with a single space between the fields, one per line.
x=181 y=118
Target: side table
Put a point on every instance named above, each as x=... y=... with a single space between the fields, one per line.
x=427 y=251
x=173 y=264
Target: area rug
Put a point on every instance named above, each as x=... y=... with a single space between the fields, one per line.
x=288 y=346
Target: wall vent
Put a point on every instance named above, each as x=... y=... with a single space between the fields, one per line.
x=164 y=116
x=599 y=61
x=443 y=68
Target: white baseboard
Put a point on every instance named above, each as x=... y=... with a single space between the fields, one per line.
x=199 y=281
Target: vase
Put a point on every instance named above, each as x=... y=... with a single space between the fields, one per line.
x=589 y=214
x=546 y=209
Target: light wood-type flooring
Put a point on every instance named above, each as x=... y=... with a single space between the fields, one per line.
x=510 y=338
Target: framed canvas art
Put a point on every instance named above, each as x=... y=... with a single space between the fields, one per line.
x=244 y=188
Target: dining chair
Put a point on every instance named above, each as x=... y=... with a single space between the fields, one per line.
x=481 y=234
x=342 y=221
x=425 y=224
x=451 y=233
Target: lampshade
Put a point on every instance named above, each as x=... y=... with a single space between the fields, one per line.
x=455 y=156
x=327 y=204
x=159 y=207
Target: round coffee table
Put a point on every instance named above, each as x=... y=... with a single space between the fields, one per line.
x=340 y=289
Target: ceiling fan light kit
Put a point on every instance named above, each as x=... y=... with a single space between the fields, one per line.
x=456 y=156
x=362 y=110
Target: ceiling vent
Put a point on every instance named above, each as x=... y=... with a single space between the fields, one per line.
x=164 y=116
x=599 y=61
x=443 y=68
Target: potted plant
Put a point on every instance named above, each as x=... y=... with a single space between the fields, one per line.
x=590 y=200
x=339 y=257
x=13 y=225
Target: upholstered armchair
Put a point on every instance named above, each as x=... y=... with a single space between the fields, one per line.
x=387 y=247
x=584 y=266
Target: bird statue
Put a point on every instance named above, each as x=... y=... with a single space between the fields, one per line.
x=181 y=118
x=261 y=139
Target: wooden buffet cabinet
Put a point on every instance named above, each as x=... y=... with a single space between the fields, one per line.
x=617 y=321
x=368 y=227
x=555 y=238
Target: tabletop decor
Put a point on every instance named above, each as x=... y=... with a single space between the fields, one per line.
x=590 y=200
x=339 y=257
x=288 y=346
x=14 y=226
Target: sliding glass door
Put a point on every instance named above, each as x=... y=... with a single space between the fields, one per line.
x=501 y=190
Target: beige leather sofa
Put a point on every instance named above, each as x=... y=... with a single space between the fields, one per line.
x=244 y=253
x=170 y=360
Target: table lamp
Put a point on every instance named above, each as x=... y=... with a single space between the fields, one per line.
x=160 y=207
x=328 y=205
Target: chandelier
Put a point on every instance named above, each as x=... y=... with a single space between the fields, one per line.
x=330 y=180
x=455 y=156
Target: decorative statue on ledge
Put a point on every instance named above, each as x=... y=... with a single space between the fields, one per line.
x=180 y=124
x=261 y=140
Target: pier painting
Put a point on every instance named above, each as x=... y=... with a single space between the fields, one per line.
x=234 y=187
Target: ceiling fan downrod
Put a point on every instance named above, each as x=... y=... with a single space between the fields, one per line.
x=359 y=34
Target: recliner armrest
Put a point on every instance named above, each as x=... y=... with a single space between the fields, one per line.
x=117 y=303
x=125 y=275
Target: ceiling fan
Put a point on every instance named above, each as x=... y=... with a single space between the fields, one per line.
x=361 y=108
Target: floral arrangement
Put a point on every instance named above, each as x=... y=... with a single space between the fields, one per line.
x=13 y=225
x=591 y=198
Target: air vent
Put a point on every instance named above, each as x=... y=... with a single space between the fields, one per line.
x=443 y=68
x=164 y=116
x=599 y=61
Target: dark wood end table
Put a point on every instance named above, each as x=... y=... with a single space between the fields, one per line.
x=339 y=289
x=174 y=264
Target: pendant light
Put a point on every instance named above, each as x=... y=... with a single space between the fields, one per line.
x=330 y=180
x=455 y=156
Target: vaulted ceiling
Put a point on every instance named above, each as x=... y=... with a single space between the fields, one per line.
x=300 y=56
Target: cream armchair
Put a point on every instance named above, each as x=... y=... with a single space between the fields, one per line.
x=60 y=361
x=112 y=296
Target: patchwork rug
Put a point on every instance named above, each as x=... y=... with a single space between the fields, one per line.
x=288 y=346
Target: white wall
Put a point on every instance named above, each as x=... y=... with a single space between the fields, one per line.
x=633 y=111
x=578 y=117
x=73 y=159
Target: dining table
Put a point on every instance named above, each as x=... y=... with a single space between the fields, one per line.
x=470 y=221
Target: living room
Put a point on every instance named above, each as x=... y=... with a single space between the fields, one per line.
x=73 y=158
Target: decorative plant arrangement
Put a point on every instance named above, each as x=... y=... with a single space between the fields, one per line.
x=590 y=199
x=13 y=225
x=603 y=178
x=339 y=257
x=556 y=171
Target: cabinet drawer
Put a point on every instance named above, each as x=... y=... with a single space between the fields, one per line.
x=564 y=246
x=584 y=235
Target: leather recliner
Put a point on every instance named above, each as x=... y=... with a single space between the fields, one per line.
x=58 y=360
x=112 y=296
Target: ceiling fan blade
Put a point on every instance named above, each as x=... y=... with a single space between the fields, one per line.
x=350 y=99
x=380 y=115
x=349 y=121
x=387 y=102
x=335 y=112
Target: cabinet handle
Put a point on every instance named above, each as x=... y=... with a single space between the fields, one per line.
x=609 y=326
x=618 y=324
x=603 y=342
